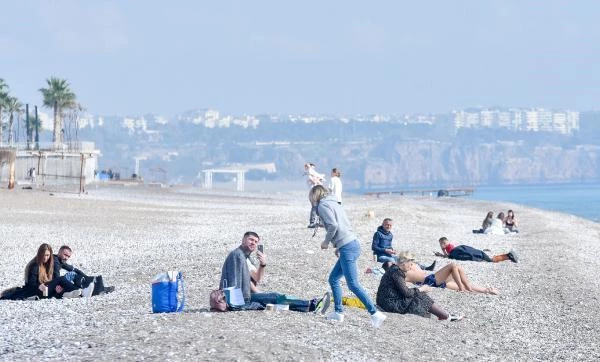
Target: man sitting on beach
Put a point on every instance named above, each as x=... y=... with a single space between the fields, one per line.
x=239 y=271
x=465 y=252
x=382 y=245
x=91 y=285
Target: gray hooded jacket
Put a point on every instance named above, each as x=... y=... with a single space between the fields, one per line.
x=339 y=230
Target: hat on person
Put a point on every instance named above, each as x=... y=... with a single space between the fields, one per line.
x=405 y=256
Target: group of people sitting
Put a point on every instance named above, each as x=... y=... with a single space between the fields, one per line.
x=393 y=294
x=43 y=278
x=498 y=225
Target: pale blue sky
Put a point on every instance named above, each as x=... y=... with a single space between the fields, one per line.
x=249 y=57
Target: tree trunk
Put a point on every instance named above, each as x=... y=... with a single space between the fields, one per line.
x=56 y=133
x=0 y=124
x=10 y=128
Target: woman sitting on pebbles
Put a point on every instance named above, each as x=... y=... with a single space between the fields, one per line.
x=510 y=223
x=43 y=280
x=452 y=276
x=394 y=296
x=486 y=224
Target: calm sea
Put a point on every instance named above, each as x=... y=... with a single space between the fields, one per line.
x=577 y=199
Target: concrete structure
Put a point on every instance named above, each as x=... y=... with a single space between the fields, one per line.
x=68 y=169
x=240 y=171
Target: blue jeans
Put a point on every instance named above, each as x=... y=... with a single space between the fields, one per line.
x=297 y=305
x=346 y=267
x=70 y=276
x=387 y=258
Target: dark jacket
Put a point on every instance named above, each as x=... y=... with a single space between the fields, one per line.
x=394 y=296
x=382 y=239
x=66 y=266
x=34 y=273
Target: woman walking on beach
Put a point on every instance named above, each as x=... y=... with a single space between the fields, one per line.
x=340 y=234
x=335 y=184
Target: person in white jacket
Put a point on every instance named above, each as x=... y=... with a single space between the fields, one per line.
x=335 y=184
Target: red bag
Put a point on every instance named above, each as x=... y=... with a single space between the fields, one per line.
x=217 y=301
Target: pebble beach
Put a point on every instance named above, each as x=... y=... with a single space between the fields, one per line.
x=547 y=309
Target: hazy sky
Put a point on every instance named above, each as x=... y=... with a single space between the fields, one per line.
x=250 y=57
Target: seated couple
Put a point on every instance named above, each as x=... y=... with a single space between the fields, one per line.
x=43 y=279
x=382 y=245
x=238 y=271
x=394 y=296
x=465 y=252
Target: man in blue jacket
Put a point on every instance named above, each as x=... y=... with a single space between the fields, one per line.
x=382 y=245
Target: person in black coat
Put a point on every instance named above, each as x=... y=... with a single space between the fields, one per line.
x=79 y=278
x=42 y=279
x=394 y=296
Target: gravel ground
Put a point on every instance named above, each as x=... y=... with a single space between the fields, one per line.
x=547 y=309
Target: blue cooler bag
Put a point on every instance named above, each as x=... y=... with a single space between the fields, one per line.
x=165 y=292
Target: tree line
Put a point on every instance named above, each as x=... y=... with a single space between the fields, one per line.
x=56 y=95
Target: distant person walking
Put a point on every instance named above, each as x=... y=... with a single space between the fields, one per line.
x=313 y=178
x=335 y=184
x=32 y=175
x=341 y=236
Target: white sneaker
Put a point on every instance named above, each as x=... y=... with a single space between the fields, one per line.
x=87 y=292
x=74 y=294
x=335 y=316
x=377 y=319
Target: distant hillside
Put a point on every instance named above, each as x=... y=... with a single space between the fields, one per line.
x=370 y=153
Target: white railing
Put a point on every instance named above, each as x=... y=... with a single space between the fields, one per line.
x=80 y=146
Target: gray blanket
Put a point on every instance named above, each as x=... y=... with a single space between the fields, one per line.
x=235 y=272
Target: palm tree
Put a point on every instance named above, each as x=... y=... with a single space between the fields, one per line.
x=3 y=99
x=12 y=106
x=58 y=96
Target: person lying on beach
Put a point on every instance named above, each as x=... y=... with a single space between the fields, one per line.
x=236 y=273
x=451 y=276
x=43 y=280
x=394 y=296
x=510 y=223
x=486 y=224
x=91 y=285
x=465 y=252
x=382 y=245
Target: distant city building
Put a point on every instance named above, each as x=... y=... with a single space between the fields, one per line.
x=533 y=120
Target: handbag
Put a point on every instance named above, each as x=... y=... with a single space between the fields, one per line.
x=217 y=301
x=166 y=288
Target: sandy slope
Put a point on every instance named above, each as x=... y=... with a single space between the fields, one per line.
x=548 y=308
